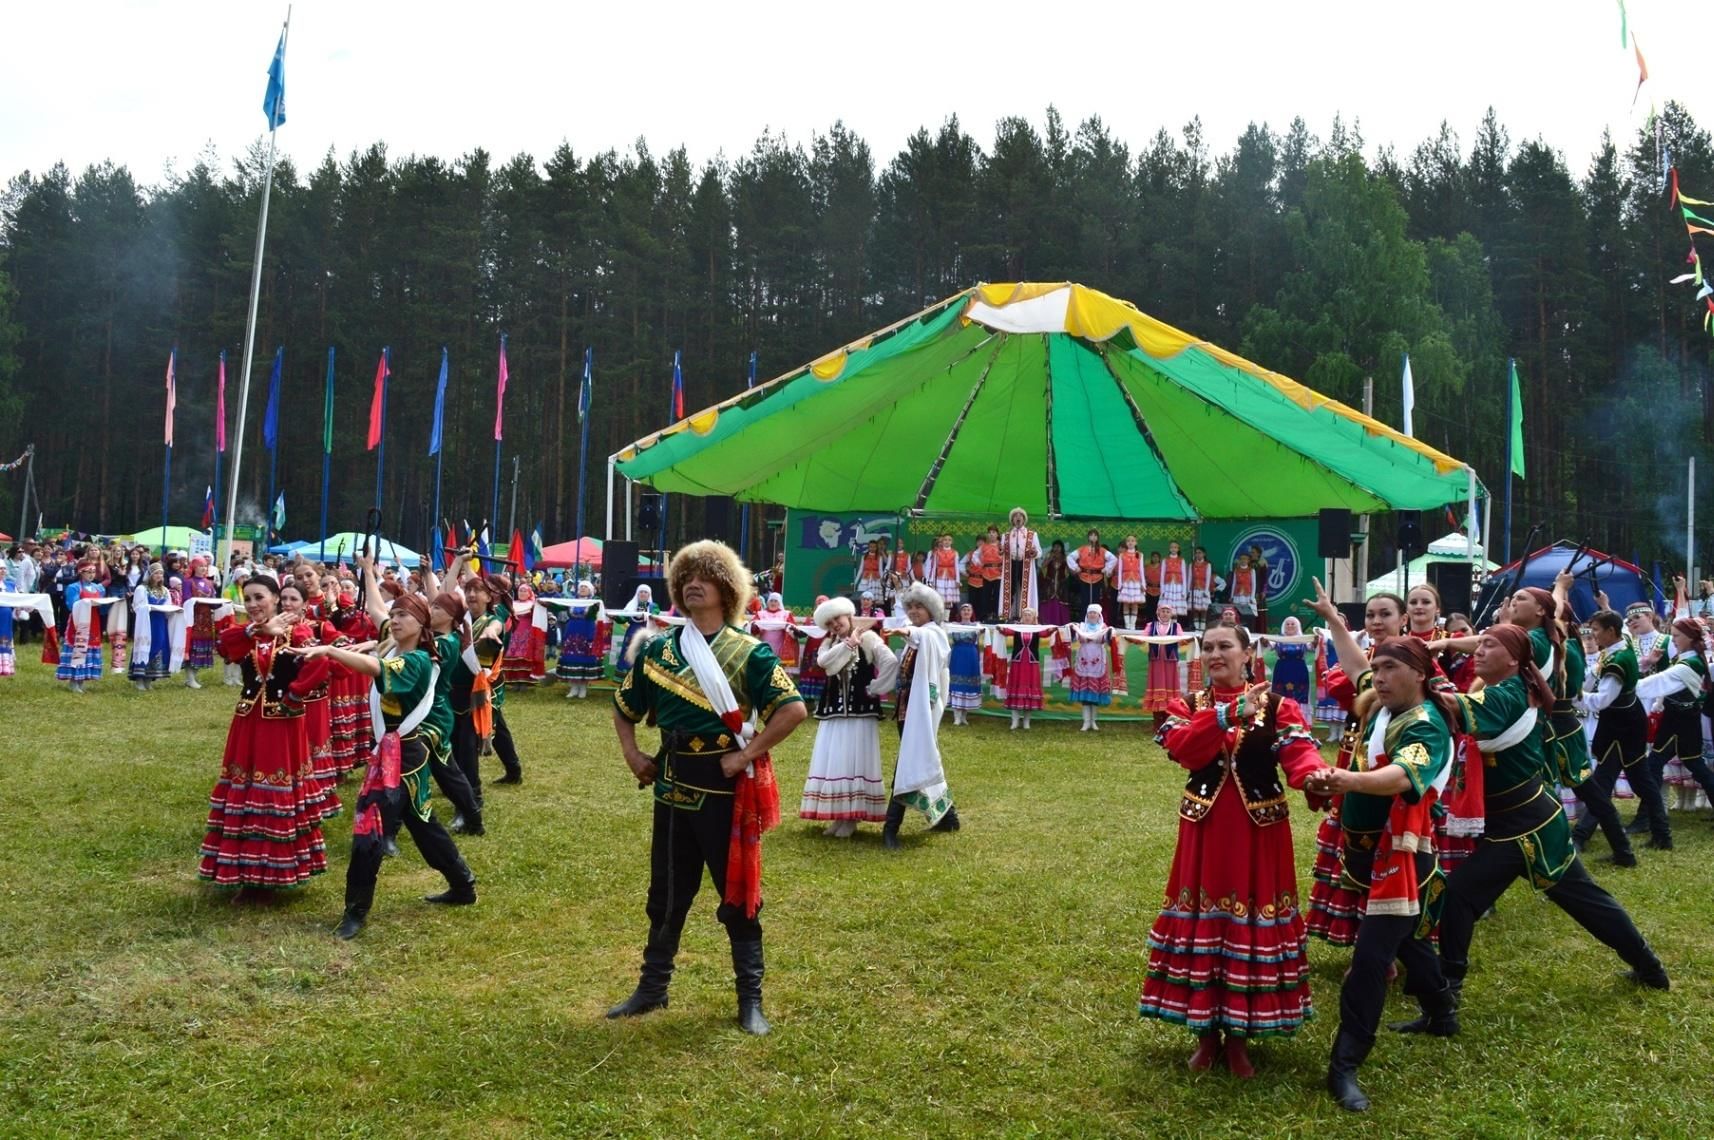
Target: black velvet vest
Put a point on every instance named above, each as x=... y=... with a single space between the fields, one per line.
x=1251 y=762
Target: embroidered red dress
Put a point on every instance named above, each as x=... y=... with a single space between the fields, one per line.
x=264 y=816
x=348 y=692
x=1335 y=910
x=318 y=719
x=1227 y=951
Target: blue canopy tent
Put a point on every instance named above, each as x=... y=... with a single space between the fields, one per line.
x=288 y=547
x=1624 y=582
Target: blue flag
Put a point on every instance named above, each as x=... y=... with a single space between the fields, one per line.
x=482 y=550
x=752 y=382
x=271 y=423
x=439 y=405
x=274 y=102
x=437 y=551
x=533 y=547
x=586 y=392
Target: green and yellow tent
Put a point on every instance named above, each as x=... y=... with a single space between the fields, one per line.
x=1049 y=396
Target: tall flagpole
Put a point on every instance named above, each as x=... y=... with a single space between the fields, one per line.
x=585 y=404
x=250 y=323
x=326 y=452
x=381 y=444
x=167 y=474
x=1511 y=365
x=499 y=408
x=273 y=453
x=744 y=518
x=439 y=443
x=219 y=444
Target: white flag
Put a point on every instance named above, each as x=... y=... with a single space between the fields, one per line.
x=1410 y=397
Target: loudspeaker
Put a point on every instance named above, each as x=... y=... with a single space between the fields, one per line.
x=1410 y=532
x=717 y=520
x=1335 y=536
x=649 y=511
x=618 y=572
x=1452 y=579
x=1353 y=612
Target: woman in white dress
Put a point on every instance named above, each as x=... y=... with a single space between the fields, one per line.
x=844 y=786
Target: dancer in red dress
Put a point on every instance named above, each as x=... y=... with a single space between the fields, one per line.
x=264 y=818
x=348 y=694
x=318 y=704
x=1335 y=910
x=1226 y=955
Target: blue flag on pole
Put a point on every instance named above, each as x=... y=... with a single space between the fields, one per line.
x=482 y=550
x=752 y=382
x=271 y=423
x=533 y=547
x=274 y=102
x=439 y=405
x=586 y=392
x=437 y=550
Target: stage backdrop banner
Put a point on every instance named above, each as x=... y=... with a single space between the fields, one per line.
x=1289 y=546
x=823 y=548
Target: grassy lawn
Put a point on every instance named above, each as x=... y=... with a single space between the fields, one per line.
x=977 y=984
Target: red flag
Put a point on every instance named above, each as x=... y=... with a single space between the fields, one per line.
x=500 y=395
x=515 y=554
x=378 y=403
x=220 y=407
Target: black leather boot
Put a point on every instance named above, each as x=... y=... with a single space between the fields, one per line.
x=1348 y=1055
x=350 y=923
x=657 y=972
x=890 y=829
x=1651 y=973
x=747 y=973
x=947 y=822
x=1439 y=1015
x=460 y=888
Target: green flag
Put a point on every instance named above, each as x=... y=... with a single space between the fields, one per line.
x=1516 y=446
x=327 y=408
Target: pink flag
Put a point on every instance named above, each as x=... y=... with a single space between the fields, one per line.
x=220 y=408
x=500 y=396
x=172 y=394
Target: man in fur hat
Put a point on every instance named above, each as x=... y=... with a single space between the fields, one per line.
x=721 y=701
x=925 y=681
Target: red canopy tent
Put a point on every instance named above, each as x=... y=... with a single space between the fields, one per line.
x=561 y=555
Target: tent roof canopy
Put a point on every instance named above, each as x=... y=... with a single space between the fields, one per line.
x=1049 y=396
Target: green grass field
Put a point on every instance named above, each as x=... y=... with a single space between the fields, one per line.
x=977 y=984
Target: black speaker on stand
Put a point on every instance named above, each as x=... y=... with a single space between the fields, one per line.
x=649 y=512
x=618 y=572
x=1410 y=533
x=1452 y=579
x=1334 y=536
x=718 y=520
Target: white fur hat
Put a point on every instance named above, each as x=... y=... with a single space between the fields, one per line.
x=833 y=608
x=926 y=596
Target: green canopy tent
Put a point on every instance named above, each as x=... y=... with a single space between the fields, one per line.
x=172 y=537
x=1049 y=396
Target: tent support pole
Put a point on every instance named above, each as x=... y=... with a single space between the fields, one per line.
x=628 y=514
x=608 y=533
x=1470 y=522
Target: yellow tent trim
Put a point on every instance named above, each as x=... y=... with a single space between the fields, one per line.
x=1096 y=316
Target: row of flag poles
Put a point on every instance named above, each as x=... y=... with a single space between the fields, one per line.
x=1514 y=437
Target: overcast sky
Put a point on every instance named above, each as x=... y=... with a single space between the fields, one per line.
x=151 y=82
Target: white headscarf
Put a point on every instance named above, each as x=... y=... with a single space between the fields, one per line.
x=1100 y=621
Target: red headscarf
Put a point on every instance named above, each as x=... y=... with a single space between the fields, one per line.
x=1516 y=642
x=1414 y=654
x=417 y=608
